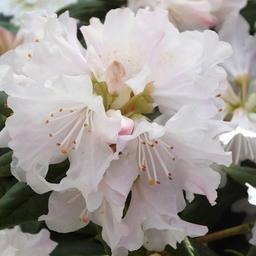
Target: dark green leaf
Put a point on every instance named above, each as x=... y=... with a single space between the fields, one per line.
x=211 y=215
x=5 y=185
x=190 y=247
x=71 y=245
x=249 y=12
x=242 y=175
x=252 y=251
x=20 y=204
x=85 y=9
x=5 y=161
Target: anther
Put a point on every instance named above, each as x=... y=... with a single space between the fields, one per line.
x=47 y=121
x=50 y=135
x=61 y=109
x=64 y=151
x=152 y=182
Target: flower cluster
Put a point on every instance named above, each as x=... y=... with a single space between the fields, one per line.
x=128 y=172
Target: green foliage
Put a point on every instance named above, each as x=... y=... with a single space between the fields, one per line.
x=242 y=174
x=249 y=12
x=85 y=9
x=75 y=245
x=20 y=204
x=191 y=248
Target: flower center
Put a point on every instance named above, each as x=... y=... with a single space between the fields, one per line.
x=238 y=97
x=150 y=158
x=130 y=105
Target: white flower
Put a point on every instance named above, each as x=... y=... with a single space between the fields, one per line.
x=142 y=58
x=153 y=221
x=193 y=14
x=240 y=94
x=17 y=8
x=91 y=107
x=13 y=242
x=127 y=81
x=158 y=163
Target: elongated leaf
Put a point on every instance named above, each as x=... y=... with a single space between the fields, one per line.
x=71 y=245
x=242 y=175
x=190 y=247
x=5 y=185
x=5 y=161
x=252 y=251
x=249 y=12
x=20 y=204
x=211 y=215
x=85 y=9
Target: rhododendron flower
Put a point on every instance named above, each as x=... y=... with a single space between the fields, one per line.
x=17 y=8
x=193 y=14
x=92 y=106
x=240 y=95
x=13 y=242
x=158 y=161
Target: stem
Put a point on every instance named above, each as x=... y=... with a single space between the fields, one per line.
x=190 y=249
x=234 y=231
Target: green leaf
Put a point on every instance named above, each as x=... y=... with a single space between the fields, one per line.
x=5 y=185
x=190 y=247
x=5 y=161
x=211 y=215
x=20 y=204
x=9 y=26
x=233 y=252
x=4 y=110
x=242 y=174
x=252 y=251
x=71 y=245
x=85 y=9
x=249 y=12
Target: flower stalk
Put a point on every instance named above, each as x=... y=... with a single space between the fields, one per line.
x=226 y=233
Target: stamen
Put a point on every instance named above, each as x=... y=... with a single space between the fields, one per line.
x=72 y=130
x=149 y=149
x=74 y=198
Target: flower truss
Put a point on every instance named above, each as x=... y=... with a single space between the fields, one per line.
x=240 y=95
x=193 y=14
x=13 y=242
x=17 y=8
x=128 y=172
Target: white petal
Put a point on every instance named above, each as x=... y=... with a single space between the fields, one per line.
x=65 y=209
